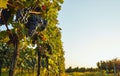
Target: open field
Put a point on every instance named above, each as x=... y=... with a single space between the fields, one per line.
x=89 y=74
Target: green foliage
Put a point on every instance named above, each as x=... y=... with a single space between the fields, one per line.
x=50 y=39
x=109 y=66
x=5 y=54
x=82 y=69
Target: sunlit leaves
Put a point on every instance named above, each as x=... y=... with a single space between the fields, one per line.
x=4 y=37
x=49 y=39
x=61 y=1
x=3 y=3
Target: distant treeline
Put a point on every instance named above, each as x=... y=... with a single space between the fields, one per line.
x=82 y=69
x=108 y=66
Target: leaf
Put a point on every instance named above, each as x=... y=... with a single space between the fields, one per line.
x=50 y=61
x=61 y=1
x=3 y=3
x=22 y=64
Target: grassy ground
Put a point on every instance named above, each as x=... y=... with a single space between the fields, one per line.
x=67 y=74
x=19 y=74
x=28 y=74
x=89 y=74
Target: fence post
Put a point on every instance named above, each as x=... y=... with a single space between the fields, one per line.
x=114 y=70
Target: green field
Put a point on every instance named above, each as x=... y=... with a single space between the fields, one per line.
x=89 y=74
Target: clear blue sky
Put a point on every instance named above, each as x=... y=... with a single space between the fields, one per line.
x=90 y=31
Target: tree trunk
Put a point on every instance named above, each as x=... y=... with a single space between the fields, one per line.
x=115 y=70
x=0 y=67
x=14 y=60
x=47 y=66
x=39 y=61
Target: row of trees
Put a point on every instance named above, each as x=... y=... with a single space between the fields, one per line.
x=82 y=69
x=30 y=45
x=110 y=66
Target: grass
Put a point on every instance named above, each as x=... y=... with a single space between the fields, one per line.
x=67 y=74
x=89 y=74
x=19 y=74
x=28 y=74
x=4 y=74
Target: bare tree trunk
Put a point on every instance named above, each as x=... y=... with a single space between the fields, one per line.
x=14 y=60
x=39 y=61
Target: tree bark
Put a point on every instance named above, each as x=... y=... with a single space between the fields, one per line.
x=14 y=60
x=39 y=61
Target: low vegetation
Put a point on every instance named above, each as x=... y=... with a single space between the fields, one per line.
x=104 y=68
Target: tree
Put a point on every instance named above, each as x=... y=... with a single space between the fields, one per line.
x=110 y=65
x=68 y=70
x=28 y=27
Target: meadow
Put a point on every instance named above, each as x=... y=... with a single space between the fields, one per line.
x=89 y=74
